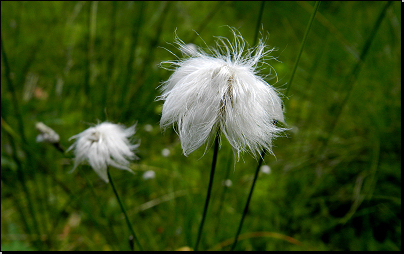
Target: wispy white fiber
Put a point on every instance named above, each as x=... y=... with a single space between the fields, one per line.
x=103 y=145
x=222 y=91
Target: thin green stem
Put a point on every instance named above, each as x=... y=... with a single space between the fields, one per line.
x=248 y=199
x=225 y=188
x=143 y=74
x=302 y=45
x=257 y=28
x=124 y=211
x=206 y=21
x=10 y=87
x=111 y=60
x=354 y=74
x=111 y=230
x=263 y=151
x=212 y=173
x=20 y=168
x=130 y=71
x=21 y=178
x=87 y=69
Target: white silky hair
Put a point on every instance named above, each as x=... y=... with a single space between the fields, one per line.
x=103 y=145
x=222 y=91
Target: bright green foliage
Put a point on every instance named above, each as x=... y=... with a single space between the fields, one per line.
x=73 y=63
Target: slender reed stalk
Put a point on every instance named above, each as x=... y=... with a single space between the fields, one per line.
x=248 y=200
x=317 y=4
x=111 y=60
x=111 y=228
x=351 y=79
x=21 y=212
x=138 y=21
x=10 y=87
x=212 y=173
x=153 y=45
x=257 y=28
x=287 y=90
x=124 y=212
x=225 y=188
x=206 y=20
x=20 y=176
x=87 y=69
x=89 y=60
x=20 y=167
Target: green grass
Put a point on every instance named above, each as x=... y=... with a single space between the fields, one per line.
x=335 y=183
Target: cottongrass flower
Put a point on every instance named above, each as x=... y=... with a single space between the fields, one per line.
x=222 y=91
x=104 y=145
x=47 y=134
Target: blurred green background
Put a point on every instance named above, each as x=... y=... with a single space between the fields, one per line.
x=335 y=183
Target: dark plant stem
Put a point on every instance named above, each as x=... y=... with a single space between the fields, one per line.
x=287 y=90
x=248 y=199
x=225 y=188
x=257 y=28
x=124 y=211
x=97 y=199
x=212 y=173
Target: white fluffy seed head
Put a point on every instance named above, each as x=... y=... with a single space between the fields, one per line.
x=222 y=91
x=103 y=145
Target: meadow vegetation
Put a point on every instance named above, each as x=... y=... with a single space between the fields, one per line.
x=335 y=179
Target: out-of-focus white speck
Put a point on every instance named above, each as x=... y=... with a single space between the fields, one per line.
x=227 y=183
x=165 y=152
x=150 y=174
x=148 y=127
x=265 y=169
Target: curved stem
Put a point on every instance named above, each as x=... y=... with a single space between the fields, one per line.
x=124 y=211
x=248 y=199
x=212 y=172
x=287 y=90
